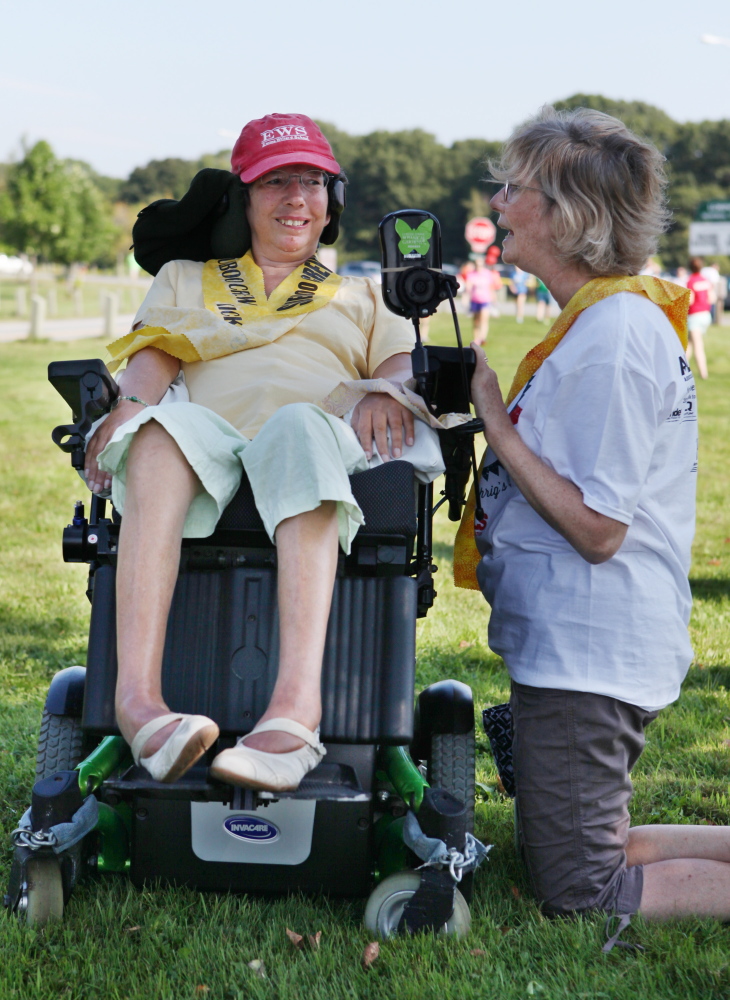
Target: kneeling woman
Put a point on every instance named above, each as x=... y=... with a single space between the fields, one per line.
x=588 y=493
x=261 y=341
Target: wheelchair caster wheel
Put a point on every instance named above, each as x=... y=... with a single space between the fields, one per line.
x=387 y=901
x=43 y=898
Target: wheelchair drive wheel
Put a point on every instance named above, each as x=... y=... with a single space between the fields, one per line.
x=60 y=744
x=451 y=766
x=385 y=906
x=43 y=897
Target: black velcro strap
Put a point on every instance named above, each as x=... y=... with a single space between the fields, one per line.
x=431 y=905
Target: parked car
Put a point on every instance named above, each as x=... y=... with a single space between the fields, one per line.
x=15 y=267
x=361 y=269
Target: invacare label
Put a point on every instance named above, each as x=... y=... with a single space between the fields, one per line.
x=251 y=829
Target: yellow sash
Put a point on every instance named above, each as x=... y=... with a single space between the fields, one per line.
x=672 y=299
x=237 y=314
x=234 y=290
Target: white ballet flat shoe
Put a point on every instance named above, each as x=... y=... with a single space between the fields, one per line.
x=187 y=743
x=270 y=772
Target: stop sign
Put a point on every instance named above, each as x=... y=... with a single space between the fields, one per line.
x=480 y=234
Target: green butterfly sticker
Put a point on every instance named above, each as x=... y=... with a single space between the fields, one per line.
x=414 y=241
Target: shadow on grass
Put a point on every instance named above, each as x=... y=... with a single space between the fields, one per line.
x=708 y=678
x=710 y=589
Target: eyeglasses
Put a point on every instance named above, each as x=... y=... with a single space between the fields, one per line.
x=509 y=190
x=311 y=180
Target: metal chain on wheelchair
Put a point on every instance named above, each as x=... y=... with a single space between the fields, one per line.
x=454 y=860
x=22 y=837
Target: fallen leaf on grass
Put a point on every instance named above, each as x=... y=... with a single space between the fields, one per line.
x=504 y=929
x=727 y=541
x=516 y=892
x=714 y=562
x=257 y=967
x=500 y=786
x=132 y=930
x=726 y=743
x=314 y=940
x=465 y=645
x=296 y=939
x=477 y=952
x=370 y=955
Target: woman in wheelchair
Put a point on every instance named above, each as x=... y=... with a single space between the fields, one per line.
x=260 y=340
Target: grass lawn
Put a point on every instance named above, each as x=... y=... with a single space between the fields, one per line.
x=117 y=942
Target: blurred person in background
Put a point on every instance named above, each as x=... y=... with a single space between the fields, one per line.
x=712 y=273
x=482 y=283
x=680 y=278
x=544 y=304
x=703 y=297
x=518 y=287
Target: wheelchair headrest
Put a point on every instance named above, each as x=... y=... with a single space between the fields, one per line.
x=209 y=222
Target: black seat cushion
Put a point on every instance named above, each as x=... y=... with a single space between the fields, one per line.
x=386 y=496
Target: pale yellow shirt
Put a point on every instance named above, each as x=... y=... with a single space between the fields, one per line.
x=346 y=339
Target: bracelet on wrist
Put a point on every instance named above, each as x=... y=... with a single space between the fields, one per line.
x=132 y=399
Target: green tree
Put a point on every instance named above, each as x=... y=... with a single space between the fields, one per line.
x=52 y=210
x=168 y=178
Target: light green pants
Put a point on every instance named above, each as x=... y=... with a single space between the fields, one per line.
x=300 y=457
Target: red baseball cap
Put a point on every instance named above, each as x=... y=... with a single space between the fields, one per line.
x=278 y=140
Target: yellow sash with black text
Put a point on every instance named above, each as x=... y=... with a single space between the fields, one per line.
x=237 y=316
x=672 y=299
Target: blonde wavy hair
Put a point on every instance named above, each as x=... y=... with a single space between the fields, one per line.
x=607 y=186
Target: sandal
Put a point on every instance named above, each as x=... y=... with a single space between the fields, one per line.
x=270 y=772
x=181 y=749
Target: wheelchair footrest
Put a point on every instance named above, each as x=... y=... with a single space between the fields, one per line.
x=327 y=782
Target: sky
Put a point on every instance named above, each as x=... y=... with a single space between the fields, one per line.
x=118 y=84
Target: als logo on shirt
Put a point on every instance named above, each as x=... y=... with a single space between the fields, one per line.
x=687 y=409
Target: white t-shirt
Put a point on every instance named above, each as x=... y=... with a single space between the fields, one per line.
x=613 y=409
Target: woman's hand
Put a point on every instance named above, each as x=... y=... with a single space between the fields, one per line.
x=147 y=375
x=487 y=397
x=96 y=479
x=372 y=417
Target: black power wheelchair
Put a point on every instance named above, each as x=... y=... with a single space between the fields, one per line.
x=397 y=786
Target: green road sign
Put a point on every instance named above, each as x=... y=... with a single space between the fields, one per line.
x=713 y=211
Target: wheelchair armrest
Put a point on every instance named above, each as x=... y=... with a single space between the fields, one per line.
x=90 y=391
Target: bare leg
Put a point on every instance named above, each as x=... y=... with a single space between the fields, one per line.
x=696 y=341
x=520 y=312
x=307 y=547
x=147 y=568
x=481 y=325
x=686 y=870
